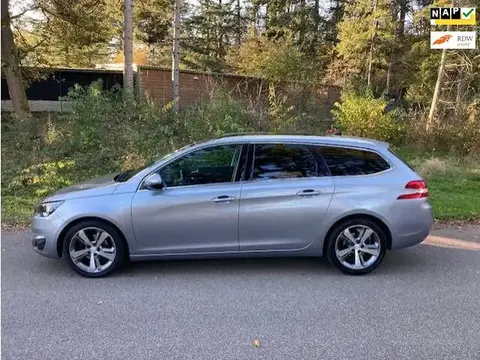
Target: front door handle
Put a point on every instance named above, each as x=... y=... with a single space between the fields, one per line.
x=308 y=192
x=223 y=198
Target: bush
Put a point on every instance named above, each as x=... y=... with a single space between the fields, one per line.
x=459 y=136
x=365 y=116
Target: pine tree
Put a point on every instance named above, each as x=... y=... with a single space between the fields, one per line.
x=208 y=34
x=365 y=34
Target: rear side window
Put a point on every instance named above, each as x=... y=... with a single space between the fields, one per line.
x=347 y=162
x=280 y=161
x=401 y=159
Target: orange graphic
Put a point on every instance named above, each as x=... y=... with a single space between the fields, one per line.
x=442 y=39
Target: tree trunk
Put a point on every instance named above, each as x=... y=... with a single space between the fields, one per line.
x=253 y=18
x=438 y=87
x=238 y=38
x=317 y=14
x=176 y=56
x=370 y=53
x=389 y=75
x=461 y=87
x=396 y=54
x=370 y=65
x=301 y=35
x=11 y=66
x=128 y=46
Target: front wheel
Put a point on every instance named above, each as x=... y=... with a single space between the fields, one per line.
x=93 y=249
x=356 y=246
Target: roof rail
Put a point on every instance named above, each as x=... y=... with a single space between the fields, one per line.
x=247 y=133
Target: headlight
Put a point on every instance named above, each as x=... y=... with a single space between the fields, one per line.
x=46 y=208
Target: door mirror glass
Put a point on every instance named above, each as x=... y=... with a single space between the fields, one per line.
x=154 y=182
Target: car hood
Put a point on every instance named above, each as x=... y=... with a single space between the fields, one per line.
x=104 y=185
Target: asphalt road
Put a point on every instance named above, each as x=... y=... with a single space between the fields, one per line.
x=422 y=303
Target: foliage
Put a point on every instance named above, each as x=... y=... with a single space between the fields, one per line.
x=461 y=136
x=363 y=115
x=104 y=134
x=208 y=32
x=272 y=59
x=281 y=114
x=153 y=18
x=140 y=56
x=289 y=44
x=366 y=26
x=69 y=33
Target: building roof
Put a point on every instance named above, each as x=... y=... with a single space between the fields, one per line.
x=67 y=69
x=199 y=72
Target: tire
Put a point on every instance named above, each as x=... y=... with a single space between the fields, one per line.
x=350 y=252
x=80 y=245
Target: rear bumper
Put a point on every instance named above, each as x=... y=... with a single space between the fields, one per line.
x=412 y=221
x=45 y=235
x=404 y=241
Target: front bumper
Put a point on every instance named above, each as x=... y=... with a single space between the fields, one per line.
x=45 y=235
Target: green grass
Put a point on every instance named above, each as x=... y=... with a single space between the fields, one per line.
x=454 y=183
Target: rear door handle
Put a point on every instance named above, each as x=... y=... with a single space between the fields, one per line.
x=308 y=192
x=223 y=198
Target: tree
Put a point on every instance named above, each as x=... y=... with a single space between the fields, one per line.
x=271 y=59
x=70 y=33
x=365 y=35
x=210 y=30
x=153 y=27
x=176 y=56
x=436 y=93
x=10 y=65
x=128 y=46
x=140 y=55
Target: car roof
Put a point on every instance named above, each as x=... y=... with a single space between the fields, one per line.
x=327 y=140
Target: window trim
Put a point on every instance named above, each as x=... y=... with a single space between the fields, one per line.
x=392 y=166
x=234 y=175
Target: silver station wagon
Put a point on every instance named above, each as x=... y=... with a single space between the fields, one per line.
x=242 y=195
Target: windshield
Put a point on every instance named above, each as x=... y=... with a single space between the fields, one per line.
x=127 y=174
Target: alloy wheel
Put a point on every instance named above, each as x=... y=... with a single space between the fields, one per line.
x=92 y=250
x=357 y=247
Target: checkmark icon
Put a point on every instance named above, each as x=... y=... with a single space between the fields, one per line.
x=467 y=14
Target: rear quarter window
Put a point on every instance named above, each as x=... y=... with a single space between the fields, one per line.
x=401 y=159
x=351 y=162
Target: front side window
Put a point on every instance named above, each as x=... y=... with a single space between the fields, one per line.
x=347 y=162
x=204 y=166
x=280 y=161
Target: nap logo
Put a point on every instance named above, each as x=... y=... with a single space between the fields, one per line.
x=452 y=16
x=453 y=40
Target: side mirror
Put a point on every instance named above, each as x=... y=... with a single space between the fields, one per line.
x=154 y=182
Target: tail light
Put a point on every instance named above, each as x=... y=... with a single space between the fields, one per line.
x=419 y=187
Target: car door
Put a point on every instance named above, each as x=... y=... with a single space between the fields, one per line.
x=197 y=210
x=283 y=204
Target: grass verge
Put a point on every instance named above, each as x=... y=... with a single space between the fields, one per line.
x=453 y=183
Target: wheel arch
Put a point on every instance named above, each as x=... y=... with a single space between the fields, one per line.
x=370 y=217
x=61 y=236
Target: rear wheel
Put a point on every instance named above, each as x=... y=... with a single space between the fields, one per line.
x=93 y=249
x=356 y=246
